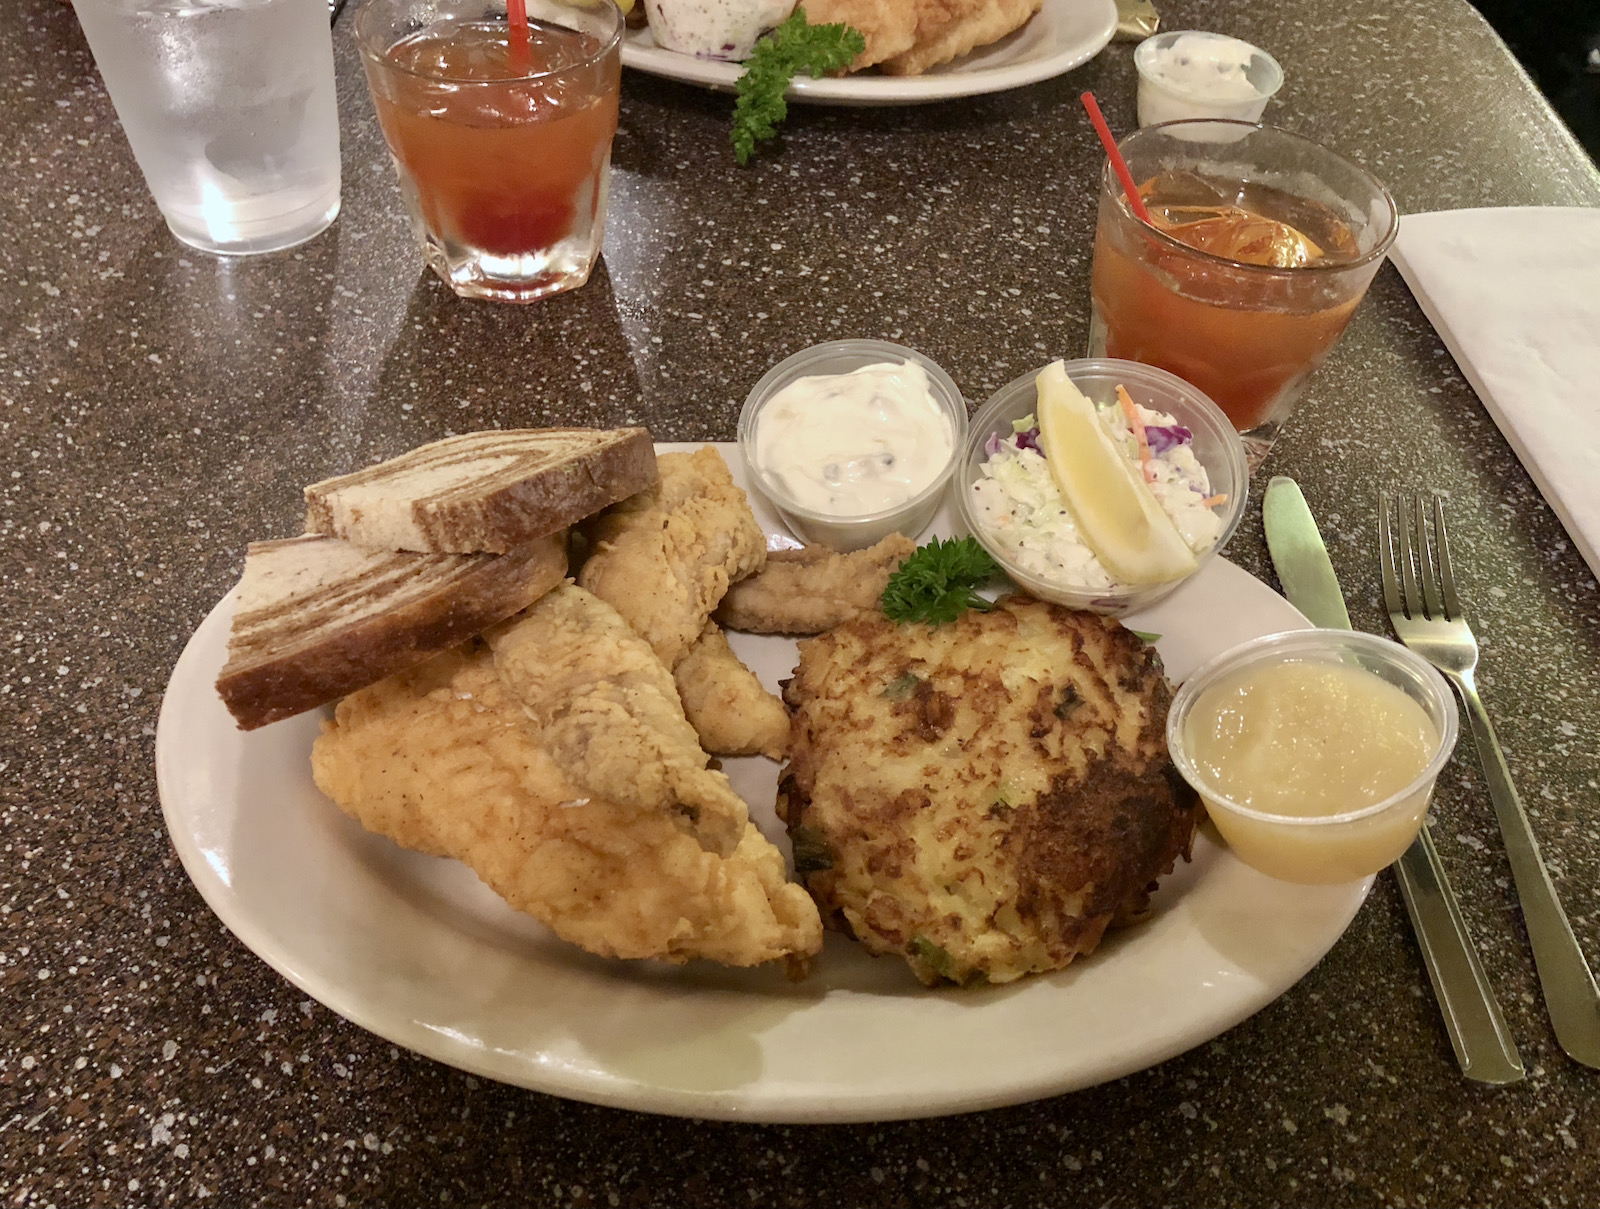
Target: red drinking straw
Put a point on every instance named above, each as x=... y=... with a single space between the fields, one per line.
x=1117 y=162
x=517 y=15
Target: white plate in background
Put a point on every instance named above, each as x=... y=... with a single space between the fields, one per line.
x=1062 y=35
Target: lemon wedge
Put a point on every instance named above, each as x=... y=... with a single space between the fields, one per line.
x=1118 y=515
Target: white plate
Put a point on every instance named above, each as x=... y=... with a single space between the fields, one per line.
x=1060 y=36
x=417 y=950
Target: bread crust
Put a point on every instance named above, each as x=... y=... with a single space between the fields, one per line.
x=291 y=652
x=519 y=502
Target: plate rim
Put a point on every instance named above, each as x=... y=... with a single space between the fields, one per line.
x=880 y=90
x=747 y=1102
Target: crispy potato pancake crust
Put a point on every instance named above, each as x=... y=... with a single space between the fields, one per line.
x=983 y=798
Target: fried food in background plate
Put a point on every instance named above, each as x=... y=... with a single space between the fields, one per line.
x=983 y=798
x=889 y=27
x=448 y=759
x=909 y=37
x=948 y=29
x=812 y=589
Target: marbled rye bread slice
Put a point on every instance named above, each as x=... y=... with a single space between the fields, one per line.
x=318 y=618
x=483 y=492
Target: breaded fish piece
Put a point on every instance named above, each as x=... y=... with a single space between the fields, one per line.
x=983 y=797
x=732 y=712
x=948 y=29
x=812 y=589
x=889 y=27
x=608 y=713
x=663 y=559
x=444 y=759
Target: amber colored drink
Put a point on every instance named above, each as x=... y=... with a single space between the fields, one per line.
x=1238 y=286
x=503 y=149
x=1241 y=338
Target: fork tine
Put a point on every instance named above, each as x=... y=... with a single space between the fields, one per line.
x=1408 y=572
x=1430 y=578
x=1386 y=558
x=1447 y=579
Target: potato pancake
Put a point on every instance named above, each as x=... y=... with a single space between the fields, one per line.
x=984 y=797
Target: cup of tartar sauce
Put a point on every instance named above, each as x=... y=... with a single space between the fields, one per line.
x=853 y=440
x=1191 y=74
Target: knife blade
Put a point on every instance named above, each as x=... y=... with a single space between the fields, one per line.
x=1478 y=1033
x=1300 y=558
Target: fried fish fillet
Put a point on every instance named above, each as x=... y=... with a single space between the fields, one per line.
x=984 y=797
x=664 y=558
x=732 y=712
x=888 y=27
x=607 y=711
x=948 y=29
x=447 y=759
x=812 y=589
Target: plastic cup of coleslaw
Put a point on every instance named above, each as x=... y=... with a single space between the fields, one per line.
x=1211 y=438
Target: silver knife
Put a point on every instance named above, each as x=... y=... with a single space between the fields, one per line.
x=1478 y=1031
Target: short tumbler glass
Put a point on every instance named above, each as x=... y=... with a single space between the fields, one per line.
x=502 y=140
x=229 y=110
x=1248 y=335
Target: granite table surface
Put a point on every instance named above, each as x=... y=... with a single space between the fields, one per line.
x=160 y=408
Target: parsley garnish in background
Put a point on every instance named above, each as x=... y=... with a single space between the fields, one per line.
x=790 y=49
x=938 y=582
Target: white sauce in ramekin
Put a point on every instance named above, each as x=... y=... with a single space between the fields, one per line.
x=854 y=444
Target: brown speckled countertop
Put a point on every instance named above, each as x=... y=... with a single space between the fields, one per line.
x=159 y=408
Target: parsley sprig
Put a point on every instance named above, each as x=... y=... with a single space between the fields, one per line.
x=939 y=581
x=790 y=49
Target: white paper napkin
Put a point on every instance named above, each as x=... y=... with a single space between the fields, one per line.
x=1515 y=294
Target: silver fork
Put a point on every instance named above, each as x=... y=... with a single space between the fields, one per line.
x=1419 y=589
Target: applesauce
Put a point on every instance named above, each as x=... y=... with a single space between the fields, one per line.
x=1315 y=752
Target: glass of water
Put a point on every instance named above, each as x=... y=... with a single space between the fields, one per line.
x=229 y=108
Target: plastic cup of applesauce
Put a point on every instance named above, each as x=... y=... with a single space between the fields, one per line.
x=1325 y=781
x=1192 y=74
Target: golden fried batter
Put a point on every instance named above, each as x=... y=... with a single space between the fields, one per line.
x=446 y=759
x=889 y=27
x=948 y=29
x=731 y=710
x=607 y=712
x=664 y=558
x=982 y=797
x=812 y=589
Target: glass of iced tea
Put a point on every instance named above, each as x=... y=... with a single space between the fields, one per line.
x=1262 y=243
x=501 y=134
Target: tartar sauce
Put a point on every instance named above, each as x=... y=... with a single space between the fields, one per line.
x=854 y=444
x=1199 y=75
x=714 y=29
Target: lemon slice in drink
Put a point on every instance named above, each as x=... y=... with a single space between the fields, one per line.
x=1118 y=515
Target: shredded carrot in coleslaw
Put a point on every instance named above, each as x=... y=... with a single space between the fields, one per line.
x=1139 y=437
